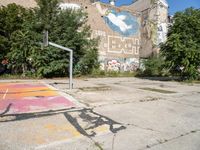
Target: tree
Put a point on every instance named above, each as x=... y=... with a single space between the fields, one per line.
x=23 y=49
x=67 y=28
x=182 y=49
x=47 y=12
x=11 y=19
x=23 y=39
x=21 y=31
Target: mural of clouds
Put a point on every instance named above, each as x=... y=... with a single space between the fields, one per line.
x=122 y=22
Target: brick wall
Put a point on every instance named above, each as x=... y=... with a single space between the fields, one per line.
x=117 y=51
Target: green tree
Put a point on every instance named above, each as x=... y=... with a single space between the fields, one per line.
x=11 y=19
x=22 y=31
x=182 y=49
x=67 y=28
x=47 y=12
x=23 y=42
x=22 y=48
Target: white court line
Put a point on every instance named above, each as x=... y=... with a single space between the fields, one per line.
x=4 y=96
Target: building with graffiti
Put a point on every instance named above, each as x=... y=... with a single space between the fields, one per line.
x=126 y=33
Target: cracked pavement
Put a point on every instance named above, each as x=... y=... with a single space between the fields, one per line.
x=143 y=116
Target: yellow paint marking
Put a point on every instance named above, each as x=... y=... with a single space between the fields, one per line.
x=40 y=140
x=103 y=128
x=71 y=129
x=50 y=126
x=67 y=128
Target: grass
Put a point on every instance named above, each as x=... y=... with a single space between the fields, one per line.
x=102 y=74
x=196 y=82
x=17 y=76
x=94 y=74
x=158 y=90
x=9 y=76
x=190 y=82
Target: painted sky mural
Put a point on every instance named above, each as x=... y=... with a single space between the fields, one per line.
x=122 y=22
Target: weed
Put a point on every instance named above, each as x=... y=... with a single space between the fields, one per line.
x=100 y=88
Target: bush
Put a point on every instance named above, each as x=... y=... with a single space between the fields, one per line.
x=182 y=49
x=101 y=73
x=11 y=19
x=21 y=31
x=89 y=61
x=153 y=67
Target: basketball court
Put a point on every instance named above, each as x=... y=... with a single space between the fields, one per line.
x=39 y=116
x=27 y=97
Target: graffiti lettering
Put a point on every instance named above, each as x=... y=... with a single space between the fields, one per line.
x=124 y=64
x=97 y=33
x=123 y=45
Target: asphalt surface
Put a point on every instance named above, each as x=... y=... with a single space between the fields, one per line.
x=110 y=114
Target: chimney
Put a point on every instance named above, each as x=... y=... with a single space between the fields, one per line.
x=112 y=2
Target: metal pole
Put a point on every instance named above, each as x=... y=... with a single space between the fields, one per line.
x=71 y=62
x=59 y=46
x=71 y=70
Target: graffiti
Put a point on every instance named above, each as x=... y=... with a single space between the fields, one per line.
x=123 y=64
x=117 y=44
x=122 y=22
x=162 y=33
x=113 y=65
x=103 y=45
x=97 y=33
x=64 y=6
x=122 y=45
x=131 y=64
x=29 y=97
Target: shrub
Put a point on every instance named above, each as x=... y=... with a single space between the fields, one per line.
x=154 y=66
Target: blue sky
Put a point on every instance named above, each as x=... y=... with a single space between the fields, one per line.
x=174 y=5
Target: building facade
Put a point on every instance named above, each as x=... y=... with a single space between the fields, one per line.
x=126 y=33
x=154 y=24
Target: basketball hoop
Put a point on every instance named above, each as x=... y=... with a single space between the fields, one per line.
x=47 y=43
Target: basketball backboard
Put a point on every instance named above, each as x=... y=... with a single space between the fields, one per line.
x=45 y=38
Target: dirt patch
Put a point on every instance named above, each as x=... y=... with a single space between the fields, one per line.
x=117 y=83
x=101 y=84
x=149 y=99
x=98 y=88
x=158 y=90
x=7 y=118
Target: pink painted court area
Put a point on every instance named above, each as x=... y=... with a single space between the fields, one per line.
x=26 y=97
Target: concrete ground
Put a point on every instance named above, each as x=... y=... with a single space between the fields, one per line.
x=111 y=114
